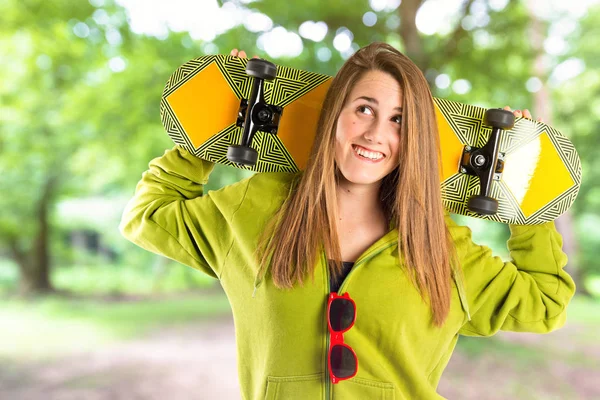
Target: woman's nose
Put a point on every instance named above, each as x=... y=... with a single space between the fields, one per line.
x=375 y=132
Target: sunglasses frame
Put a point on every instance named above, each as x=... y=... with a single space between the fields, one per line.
x=337 y=338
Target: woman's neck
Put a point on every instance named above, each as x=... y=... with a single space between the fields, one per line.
x=359 y=203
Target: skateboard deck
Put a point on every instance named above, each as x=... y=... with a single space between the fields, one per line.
x=539 y=171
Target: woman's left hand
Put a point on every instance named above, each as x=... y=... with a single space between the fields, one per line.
x=525 y=114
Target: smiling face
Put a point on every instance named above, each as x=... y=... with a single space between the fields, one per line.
x=368 y=130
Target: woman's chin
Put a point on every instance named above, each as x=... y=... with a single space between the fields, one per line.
x=360 y=179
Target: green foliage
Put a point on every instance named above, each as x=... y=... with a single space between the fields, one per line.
x=121 y=280
x=64 y=322
x=81 y=101
x=94 y=276
x=495 y=59
x=586 y=311
x=578 y=107
x=583 y=312
x=577 y=111
x=290 y=15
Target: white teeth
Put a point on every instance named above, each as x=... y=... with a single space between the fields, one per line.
x=368 y=154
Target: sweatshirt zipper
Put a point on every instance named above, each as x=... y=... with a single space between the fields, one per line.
x=328 y=284
x=361 y=260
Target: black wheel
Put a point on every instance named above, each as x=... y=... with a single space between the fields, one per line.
x=261 y=69
x=483 y=205
x=499 y=118
x=242 y=155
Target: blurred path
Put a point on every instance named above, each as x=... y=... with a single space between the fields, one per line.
x=193 y=362
x=561 y=365
x=199 y=362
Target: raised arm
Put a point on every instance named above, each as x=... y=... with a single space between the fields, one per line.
x=528 y=294
x=170 y=214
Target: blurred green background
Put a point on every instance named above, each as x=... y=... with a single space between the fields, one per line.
x=86 y=314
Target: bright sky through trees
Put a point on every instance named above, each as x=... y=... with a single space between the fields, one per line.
x=204 y=20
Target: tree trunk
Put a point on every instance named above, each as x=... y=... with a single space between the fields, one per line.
x=413 y=43
x=542 y=108
x=410 y=34
x=34 y=263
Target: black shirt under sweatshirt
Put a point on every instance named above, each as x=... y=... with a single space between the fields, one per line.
x=335 y=285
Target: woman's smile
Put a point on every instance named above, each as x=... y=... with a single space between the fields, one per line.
x=367 y=156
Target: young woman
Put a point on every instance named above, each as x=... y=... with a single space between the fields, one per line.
x=349 y=280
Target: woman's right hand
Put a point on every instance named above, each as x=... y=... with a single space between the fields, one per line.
x=240 y=53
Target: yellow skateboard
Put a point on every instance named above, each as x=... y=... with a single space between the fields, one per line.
x=255 y=115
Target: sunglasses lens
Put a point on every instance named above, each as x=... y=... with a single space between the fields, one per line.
x=341 y=314
x=343 y=362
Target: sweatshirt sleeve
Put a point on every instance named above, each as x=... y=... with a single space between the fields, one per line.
x=170 y=215
x=530 y=293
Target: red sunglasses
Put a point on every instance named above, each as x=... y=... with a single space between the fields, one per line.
x=341 y=314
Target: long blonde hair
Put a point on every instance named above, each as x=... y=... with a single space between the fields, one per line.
x=410 y=195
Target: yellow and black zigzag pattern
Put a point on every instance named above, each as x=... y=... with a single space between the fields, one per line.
x=183 y=74
x=174 y=128
x=289 y=85
x=467 y=123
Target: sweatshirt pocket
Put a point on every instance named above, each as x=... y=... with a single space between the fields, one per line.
x=360 y=388
x=298 y=387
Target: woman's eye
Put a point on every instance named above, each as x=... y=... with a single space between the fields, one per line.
x=398 y=119
x=362 y=109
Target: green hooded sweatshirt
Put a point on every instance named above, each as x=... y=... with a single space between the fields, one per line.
x=282 y=335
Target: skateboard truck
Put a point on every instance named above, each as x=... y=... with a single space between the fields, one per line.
x=486 y=162
x=255 y=114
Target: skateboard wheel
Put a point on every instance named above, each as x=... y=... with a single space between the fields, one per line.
x=242 y=155
x=261 y=69
x=483 y=205
x=499 y=118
